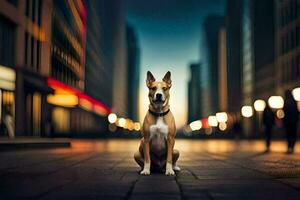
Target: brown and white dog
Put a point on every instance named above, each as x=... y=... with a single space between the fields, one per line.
x=156 y=151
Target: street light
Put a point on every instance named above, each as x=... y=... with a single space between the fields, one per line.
x=112 y=118
x=196 y=125
x=259 y=105
x=212 y=121
x=296 y=93
x=247 y=111
x=276 y=102
x=222 y=117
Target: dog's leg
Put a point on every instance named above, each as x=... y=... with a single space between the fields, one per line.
x=146 y=170
x=139 y=159
x=175 y=158
x=169 y=165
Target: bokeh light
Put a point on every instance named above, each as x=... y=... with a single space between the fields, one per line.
x=276 y=102
x=222 y=117
x=196 y=125
x=247 y=111
x=259 y=105
x=112 y=118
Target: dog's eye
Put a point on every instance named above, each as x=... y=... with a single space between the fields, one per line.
x=165 y=88
x=153 y=88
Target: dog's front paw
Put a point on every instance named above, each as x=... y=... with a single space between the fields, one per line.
x=145 y=172
x=169 y=170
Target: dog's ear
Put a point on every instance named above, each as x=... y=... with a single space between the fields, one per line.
x=150 y=78
x=167 y=78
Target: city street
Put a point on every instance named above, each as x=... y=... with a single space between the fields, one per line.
x=104 y=169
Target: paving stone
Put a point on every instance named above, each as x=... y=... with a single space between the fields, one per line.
x=156 y=184
x=238 y=173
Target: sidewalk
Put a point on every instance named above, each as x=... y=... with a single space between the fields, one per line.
x=105 y=169
x=32 y=142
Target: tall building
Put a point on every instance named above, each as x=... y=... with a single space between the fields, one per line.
x=133 y=72
x=25 y=29
x=212 y=25
x=263 y=25
x=233 y=43
x=287 y=45
x=222 y=71
x=99 y=51
x=194 y=93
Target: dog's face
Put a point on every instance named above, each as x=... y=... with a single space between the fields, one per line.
x=159 y=90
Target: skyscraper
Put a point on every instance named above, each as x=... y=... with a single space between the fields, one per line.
x=194 y=93
x=233 y=42
x=212 y=27
x=133 y=72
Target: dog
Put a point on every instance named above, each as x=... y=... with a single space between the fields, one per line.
x=156 y=151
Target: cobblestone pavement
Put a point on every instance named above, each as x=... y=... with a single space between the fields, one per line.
x=212 y=169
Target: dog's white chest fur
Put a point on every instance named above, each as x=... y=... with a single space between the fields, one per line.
x=158 y=133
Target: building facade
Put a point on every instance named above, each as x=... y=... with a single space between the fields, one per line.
x=25 y=40
x=42 y=69
x=72 y=110
x=287 y=45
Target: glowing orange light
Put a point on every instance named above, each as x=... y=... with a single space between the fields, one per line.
x=86 y=101
x=85 y=104
x=66 y=100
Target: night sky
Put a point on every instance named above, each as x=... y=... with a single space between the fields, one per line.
x=171 y=37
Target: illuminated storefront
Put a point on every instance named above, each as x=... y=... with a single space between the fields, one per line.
x=7 y=92
x=74 y=111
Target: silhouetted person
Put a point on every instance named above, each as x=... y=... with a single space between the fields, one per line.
x=268 y=121
x=9 y=123
x=290 y=120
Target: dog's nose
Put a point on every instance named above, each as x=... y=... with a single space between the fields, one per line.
x=158 y=96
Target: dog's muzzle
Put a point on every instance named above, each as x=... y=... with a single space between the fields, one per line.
x=158 y=99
